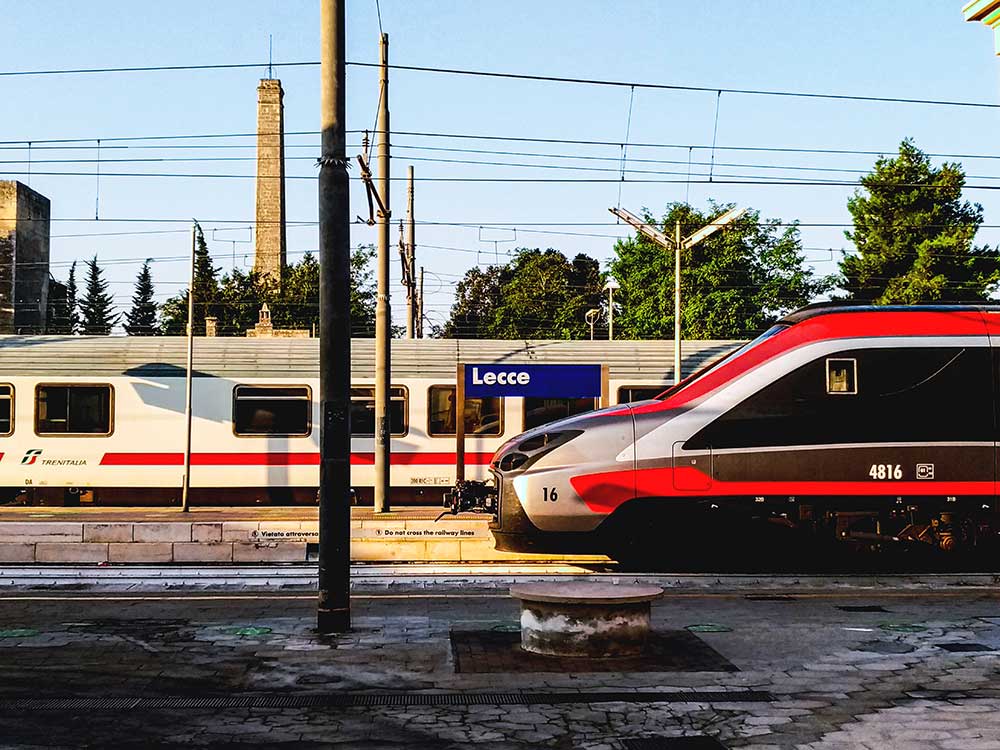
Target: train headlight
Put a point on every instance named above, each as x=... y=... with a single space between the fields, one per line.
x=511 y=461
x=533 y=448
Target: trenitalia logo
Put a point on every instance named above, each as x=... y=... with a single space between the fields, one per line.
x=30 y=456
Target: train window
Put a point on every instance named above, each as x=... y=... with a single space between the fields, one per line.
x=483 y=416
x=272 y=410
x=909 y=395
x=629 y=393
x=539 y=411
x=842 y=376
x=6 y=409
x=363 y=411
x=73 y=409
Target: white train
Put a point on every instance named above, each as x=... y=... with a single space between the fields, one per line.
x=101 y=419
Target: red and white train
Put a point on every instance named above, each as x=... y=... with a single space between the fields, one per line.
x=101 y=419
x=875 y=425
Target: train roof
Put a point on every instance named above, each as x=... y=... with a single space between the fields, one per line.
x=826 y=308
x=165 y=356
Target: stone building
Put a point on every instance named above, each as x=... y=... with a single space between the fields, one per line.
x=269 y=234
x=24 y=259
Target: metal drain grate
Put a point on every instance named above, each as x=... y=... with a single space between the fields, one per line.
x=500 y=652
x=699 y=742
x=352 y=700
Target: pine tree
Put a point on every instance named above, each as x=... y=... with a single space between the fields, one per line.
x=141 y=319
x=206 y=294
x=72 y=306
x=97 y=305
x=914 y=236
x=206 y=283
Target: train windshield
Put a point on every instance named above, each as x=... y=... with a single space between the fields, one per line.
x=697 y=374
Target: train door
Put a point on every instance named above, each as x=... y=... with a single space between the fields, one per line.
x=692 y=470
x=995 y=351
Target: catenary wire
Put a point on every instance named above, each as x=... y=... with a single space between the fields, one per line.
x=509 y=76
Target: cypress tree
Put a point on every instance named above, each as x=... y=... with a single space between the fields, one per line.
x=141 y=319
x=206 y=294
x=206 y=283
x=97 y=305
x=72 y=306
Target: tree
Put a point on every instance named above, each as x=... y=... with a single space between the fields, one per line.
x=206 y=292
x=73 y=308
x=141 y=319
x=538 y=294
x=364 y=291
x=237 y=297
x=477 y=298
x=733 y=284
x=97 y=305
x=914 y=233
x=296 y=305
x=545 y=296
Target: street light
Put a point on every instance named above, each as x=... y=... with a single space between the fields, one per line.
x=610 y=288
x=679 y=244
x=591 y=316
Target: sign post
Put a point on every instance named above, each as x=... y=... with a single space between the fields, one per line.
x=460 y=424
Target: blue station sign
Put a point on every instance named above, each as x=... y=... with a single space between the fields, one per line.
x=539 y=381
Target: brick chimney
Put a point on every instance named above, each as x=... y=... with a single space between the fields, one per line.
x=269 y=237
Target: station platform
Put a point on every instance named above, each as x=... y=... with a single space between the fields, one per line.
x=253 y=535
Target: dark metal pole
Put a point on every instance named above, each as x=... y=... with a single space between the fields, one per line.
x=334 y=612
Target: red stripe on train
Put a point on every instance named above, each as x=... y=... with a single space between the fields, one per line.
x=283 y=459
x=603 y=493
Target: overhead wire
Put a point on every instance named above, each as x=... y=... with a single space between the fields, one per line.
x=511 y=76
x=22 y=144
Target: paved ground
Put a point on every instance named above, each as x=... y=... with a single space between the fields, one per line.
x=824 y=678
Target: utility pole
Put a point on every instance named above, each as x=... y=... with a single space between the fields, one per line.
x=678 y=371
x=411 y=258
x=383 y=315
x=678 y=245
x=334 y=605
x=408 y=260
x=189 y=381
x=420 y=305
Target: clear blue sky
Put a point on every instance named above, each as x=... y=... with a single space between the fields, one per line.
x=917 y=48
